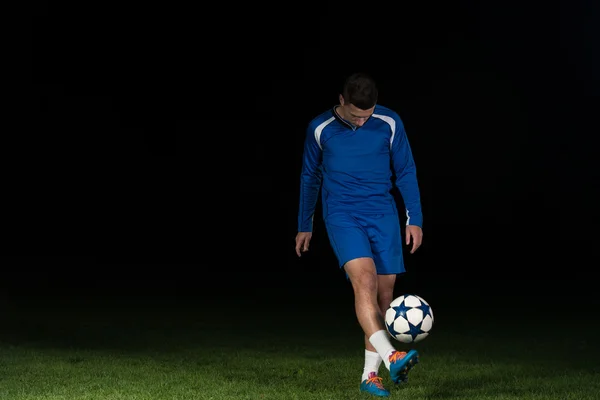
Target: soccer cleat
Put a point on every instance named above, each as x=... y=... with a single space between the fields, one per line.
x=374 y=386
x=402 y=362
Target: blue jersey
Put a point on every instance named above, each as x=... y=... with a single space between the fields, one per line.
x=353 y=167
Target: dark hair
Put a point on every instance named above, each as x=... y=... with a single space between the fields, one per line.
x=360 y=89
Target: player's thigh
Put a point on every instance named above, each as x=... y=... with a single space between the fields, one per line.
x=348 y=238
x=386 y=241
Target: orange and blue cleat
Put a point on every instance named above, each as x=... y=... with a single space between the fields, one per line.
x=374 y=386
x=401 y=363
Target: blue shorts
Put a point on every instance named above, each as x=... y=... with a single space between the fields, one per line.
x=376 y=236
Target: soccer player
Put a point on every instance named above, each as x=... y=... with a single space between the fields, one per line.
x=355 y=153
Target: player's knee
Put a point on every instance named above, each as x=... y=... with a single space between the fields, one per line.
x=362 y=274
x=385 y=290
x=384 y=300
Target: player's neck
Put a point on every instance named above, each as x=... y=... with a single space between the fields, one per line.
x=340 y=112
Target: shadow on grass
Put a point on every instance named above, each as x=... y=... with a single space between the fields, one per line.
x=205 y=335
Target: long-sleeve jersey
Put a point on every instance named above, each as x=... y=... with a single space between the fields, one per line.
x=354 y=167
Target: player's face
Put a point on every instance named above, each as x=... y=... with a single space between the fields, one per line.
x=356 y=116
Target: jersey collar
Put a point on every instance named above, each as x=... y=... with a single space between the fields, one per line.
x=342 y=120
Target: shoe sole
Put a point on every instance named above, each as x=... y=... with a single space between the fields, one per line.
x=412 y=361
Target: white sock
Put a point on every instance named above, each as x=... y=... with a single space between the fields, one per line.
x=372 y=363
x=381 y=341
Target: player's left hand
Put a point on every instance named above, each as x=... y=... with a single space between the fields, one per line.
x=416 y=233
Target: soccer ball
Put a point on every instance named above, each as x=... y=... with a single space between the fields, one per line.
x=409 y=318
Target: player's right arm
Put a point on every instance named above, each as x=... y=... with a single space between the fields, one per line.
x=310 y=184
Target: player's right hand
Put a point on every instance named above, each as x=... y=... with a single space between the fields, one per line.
x=302 y=242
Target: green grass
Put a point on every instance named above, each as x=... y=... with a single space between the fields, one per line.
x=228 y=353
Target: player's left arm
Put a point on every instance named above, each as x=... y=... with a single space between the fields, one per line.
x=405 y=170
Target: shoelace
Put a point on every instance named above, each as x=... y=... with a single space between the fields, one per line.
x=397 y=355
x=376 y=380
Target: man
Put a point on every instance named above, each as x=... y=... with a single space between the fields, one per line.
x=352 y=154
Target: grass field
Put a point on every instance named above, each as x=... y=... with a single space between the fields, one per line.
x=246 y=350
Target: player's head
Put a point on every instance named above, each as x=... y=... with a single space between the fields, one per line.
x=358 y=98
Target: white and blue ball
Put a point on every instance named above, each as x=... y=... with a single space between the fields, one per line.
x=409 y=318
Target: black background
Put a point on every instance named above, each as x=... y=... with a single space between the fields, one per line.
x=168 y=144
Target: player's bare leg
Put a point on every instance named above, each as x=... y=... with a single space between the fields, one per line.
x=363 y=276
x=385 y=295
x=370 y=381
